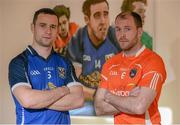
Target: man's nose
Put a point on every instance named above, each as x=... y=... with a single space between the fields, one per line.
x=48 y=30
x=103 y=19
x=123 y=35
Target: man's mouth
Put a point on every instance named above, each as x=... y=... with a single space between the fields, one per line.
x=122 y=40
x=46 y=37
x=102 y=29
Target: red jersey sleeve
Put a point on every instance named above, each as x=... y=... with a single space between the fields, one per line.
x=154 y=74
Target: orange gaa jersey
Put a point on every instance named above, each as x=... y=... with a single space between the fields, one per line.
x=120 y=74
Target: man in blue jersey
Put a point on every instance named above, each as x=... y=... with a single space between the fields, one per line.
x=43 y=84
x=90 y=48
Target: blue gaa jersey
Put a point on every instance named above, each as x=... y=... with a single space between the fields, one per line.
x=90 y=57
x=94 y=58
x=32 y=70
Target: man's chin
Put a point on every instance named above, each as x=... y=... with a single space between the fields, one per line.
x=103 y=38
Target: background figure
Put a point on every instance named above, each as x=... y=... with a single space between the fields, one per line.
x=131 y=81
x=42 y=82
x=138 y=6
x=66 y=29
x=90 y=48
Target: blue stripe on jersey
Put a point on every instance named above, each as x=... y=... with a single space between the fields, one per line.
x=43 y=74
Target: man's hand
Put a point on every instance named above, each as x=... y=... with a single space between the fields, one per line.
x=64 y=89
x=107 y=96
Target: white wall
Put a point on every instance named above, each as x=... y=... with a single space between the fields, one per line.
x=161 y=22
x=168 y=46
x=0 y=63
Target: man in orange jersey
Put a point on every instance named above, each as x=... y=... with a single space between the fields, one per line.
x=66 y=29
x=139 y=6
x=131 y=81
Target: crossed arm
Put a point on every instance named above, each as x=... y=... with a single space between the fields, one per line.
x=107 y=103
x=60 y=98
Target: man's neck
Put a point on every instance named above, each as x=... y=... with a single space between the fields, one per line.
x=133 y=51
x=93 y=39
x=42 y=51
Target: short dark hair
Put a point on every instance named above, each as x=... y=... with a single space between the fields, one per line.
x=127 y=5
x=43 y=11
x=136 y=17
x=61 y=10
x=87 y=4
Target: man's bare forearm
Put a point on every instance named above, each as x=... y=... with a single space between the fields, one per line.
x=37 y=99
x=74 y=99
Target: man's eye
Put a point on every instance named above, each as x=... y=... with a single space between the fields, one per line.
x=106 y=14
x=118 y=29
x=53 y=26
x=127 y=29
x=64 y=22
x=42 y=25
x=97 y=15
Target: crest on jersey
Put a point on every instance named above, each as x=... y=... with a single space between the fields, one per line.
x=61 y=72
x=133 y=73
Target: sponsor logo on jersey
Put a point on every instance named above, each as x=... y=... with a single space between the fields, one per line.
x=51 y=85
x=48 y=68
x=114 y=73
x=62 y=72
x=86 y=58
x=120 y=92
x=131 y=84
x=34 y=72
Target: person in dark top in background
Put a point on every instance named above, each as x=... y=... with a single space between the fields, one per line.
x=66 y=29
x=90 y=48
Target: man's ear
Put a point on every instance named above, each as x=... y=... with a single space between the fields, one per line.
x=32 y=27
x=140 y=32
x=86 y=19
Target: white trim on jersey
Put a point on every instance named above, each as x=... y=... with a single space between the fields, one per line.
x=148 y=73
x=104 y=77
x=74 y=84
x=20 y=84
x=154 y=81
x=30 y=50
x=112 y=66
x=23 y=117
x=140 y=51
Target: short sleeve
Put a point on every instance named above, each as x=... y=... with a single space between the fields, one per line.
x=17 y=72
x=154 y=74
x=71 y=78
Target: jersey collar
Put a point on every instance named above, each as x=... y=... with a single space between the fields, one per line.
x=138 y=52
x=33 y=52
